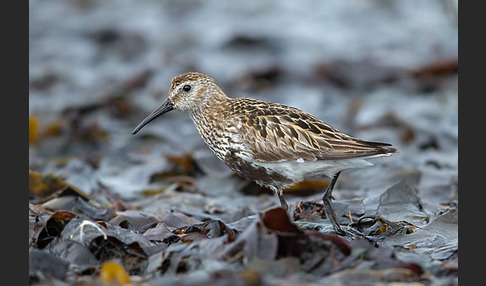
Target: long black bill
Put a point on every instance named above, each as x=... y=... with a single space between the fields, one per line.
x=163 y=108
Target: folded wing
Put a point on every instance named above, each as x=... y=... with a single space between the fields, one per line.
x=280 y=133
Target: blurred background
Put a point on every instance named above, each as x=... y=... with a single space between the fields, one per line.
x=378 y=70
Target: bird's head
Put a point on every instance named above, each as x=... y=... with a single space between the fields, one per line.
x=188 y=92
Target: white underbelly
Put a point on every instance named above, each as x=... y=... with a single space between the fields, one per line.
x=299 y=170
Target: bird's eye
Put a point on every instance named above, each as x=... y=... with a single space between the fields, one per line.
x=186 y=87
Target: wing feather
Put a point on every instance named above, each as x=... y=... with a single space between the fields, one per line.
x=275 y=132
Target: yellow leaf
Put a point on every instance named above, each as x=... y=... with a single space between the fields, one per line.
x=33 y=128
x=309 y=184
x=36 y=183
x=55 y=127
x=112 y=273
x=45 y=185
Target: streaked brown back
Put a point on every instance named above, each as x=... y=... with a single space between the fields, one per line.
x=275 y=132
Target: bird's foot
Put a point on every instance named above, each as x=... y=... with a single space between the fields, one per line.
x=341 y=232
x=379 y=227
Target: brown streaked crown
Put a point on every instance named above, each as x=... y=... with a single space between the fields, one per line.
x=187 y=77
x=194 y=99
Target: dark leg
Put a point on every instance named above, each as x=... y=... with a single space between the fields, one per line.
x=278 y=192
x=283 y=203
x=328 y=208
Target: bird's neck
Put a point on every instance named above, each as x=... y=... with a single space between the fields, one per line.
x=212 y=105
x=210 y=120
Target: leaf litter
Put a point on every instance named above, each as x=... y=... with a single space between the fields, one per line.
x=266 y=246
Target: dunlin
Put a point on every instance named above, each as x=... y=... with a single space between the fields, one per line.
x=272 y=144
